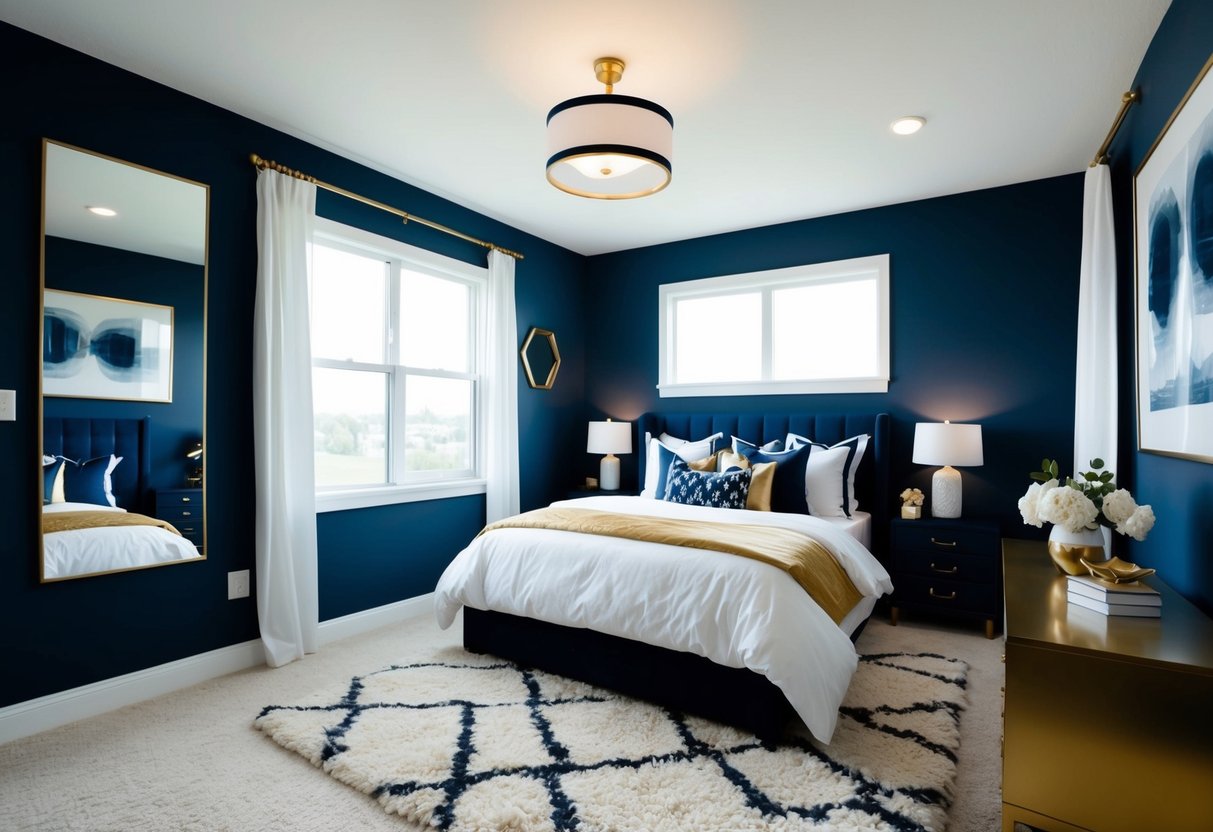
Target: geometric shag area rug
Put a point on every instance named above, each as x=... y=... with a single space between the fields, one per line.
x=468 y=742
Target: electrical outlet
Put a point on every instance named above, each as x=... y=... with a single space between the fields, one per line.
x=237 y=585
x=8 y=405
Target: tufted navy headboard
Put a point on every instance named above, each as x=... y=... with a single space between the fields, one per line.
x=82 y=438
x=871 y=480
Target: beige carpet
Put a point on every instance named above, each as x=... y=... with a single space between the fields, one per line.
x=192 y=760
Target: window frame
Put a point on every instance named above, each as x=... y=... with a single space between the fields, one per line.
x=765 y=282
x=404 y=486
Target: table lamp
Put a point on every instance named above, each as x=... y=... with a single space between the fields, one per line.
x=946 y=444
x=609 y=438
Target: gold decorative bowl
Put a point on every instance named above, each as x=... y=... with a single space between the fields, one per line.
x=1116 y=570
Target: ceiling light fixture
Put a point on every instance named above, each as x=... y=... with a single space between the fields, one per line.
x=101 y=210
x=907 y=125
x=610 y=146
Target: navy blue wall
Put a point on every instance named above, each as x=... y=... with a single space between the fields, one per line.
x=101 y=270
x=1181 y=491
x=58 y=636
x=984 y=297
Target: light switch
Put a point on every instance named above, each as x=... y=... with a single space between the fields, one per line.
x=8 y=405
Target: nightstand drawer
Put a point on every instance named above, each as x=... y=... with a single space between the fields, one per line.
x=934 y=538
x=169 y=498
x=957 y=566
x=944 y=594
x=178 y=514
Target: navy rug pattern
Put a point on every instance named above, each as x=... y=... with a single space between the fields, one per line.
x=466 y=742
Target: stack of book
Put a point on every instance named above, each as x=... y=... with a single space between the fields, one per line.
x=1135 y=599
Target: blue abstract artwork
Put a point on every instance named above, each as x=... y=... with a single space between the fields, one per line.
x=1174 y=242
x=106 y=348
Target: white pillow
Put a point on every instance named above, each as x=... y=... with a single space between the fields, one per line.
x=109 y=482
x=859 y=443
x=689 y=451
x=57 y=488
x=824 y=475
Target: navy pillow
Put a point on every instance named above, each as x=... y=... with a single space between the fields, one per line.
x=49 y=472
x=84 y=482
x=665 y=458
x=707 y=488
x=787 y=492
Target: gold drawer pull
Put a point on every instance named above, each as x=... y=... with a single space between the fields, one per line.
x=185 y=499
x=949 y=597
x=945 y=544
x=185 y=514
x=951 y=571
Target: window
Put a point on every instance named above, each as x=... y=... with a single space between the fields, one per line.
x=396 y=366
x=822 y=328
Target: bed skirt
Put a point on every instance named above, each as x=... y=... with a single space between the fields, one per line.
x=680 y=681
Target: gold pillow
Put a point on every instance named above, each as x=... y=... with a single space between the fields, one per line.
x=761 y=480
x=708 y=463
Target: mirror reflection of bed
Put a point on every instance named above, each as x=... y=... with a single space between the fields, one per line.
x=123 y=350
x=95 y=515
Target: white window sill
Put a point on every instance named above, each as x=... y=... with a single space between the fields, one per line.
x=775 y=388
x=390 y=495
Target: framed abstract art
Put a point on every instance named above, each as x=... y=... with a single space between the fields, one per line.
x=1173 y=247
x=106 y=348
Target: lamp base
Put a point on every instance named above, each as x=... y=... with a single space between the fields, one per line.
x=945 y=493
x=608 y=473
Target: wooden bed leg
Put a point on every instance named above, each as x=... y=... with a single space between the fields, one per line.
x=894 y=615
x=989 y=628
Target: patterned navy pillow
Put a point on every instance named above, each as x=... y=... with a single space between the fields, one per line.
x=707 y=488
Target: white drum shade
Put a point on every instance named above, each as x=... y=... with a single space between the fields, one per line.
x=944 y=443
x=610 y=146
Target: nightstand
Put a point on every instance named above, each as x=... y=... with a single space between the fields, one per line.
x=949 y=567
x=183 y=508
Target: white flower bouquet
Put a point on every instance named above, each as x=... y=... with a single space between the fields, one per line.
x=912 y=497
x=1091 y=501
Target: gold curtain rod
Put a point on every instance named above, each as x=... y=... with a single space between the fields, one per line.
x=1126 y=101
x=264 y=164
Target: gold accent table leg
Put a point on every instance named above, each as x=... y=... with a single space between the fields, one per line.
x=989 y=628
x=894 y=615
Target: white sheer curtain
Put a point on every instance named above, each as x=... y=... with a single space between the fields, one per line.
x=1095 y=388
x=501 y=392
x=287 y=598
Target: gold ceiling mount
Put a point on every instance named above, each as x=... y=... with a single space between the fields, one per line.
x=609 y=71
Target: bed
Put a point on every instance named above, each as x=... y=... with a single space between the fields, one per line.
x=83 y=534
x=765 y=652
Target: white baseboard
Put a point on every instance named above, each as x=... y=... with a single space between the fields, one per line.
x=357 y=623
x=53 y=710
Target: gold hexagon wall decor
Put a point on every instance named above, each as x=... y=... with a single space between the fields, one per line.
x=539 y=352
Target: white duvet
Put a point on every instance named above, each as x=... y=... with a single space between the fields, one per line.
x=733 y=610
x=105 y=549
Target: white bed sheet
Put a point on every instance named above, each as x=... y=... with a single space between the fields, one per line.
x=733 y=610
x=86 y=551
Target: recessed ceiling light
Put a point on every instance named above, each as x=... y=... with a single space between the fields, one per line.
x=102 y=211
x=907 y=125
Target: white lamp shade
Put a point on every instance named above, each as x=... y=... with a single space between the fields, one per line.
x=937 y=443
x=609 y=438
x=610 y=146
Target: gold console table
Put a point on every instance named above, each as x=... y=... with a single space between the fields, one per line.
x=1108 y=721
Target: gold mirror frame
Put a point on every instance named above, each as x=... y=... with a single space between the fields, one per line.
x=205 y=230
x=526 y=364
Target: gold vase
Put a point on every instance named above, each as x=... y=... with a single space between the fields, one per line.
x=1067 y=548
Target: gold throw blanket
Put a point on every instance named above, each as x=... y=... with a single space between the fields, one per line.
x=64 y=521
x=807 y=561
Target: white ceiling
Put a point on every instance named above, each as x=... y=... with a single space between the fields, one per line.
x=781 y=107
